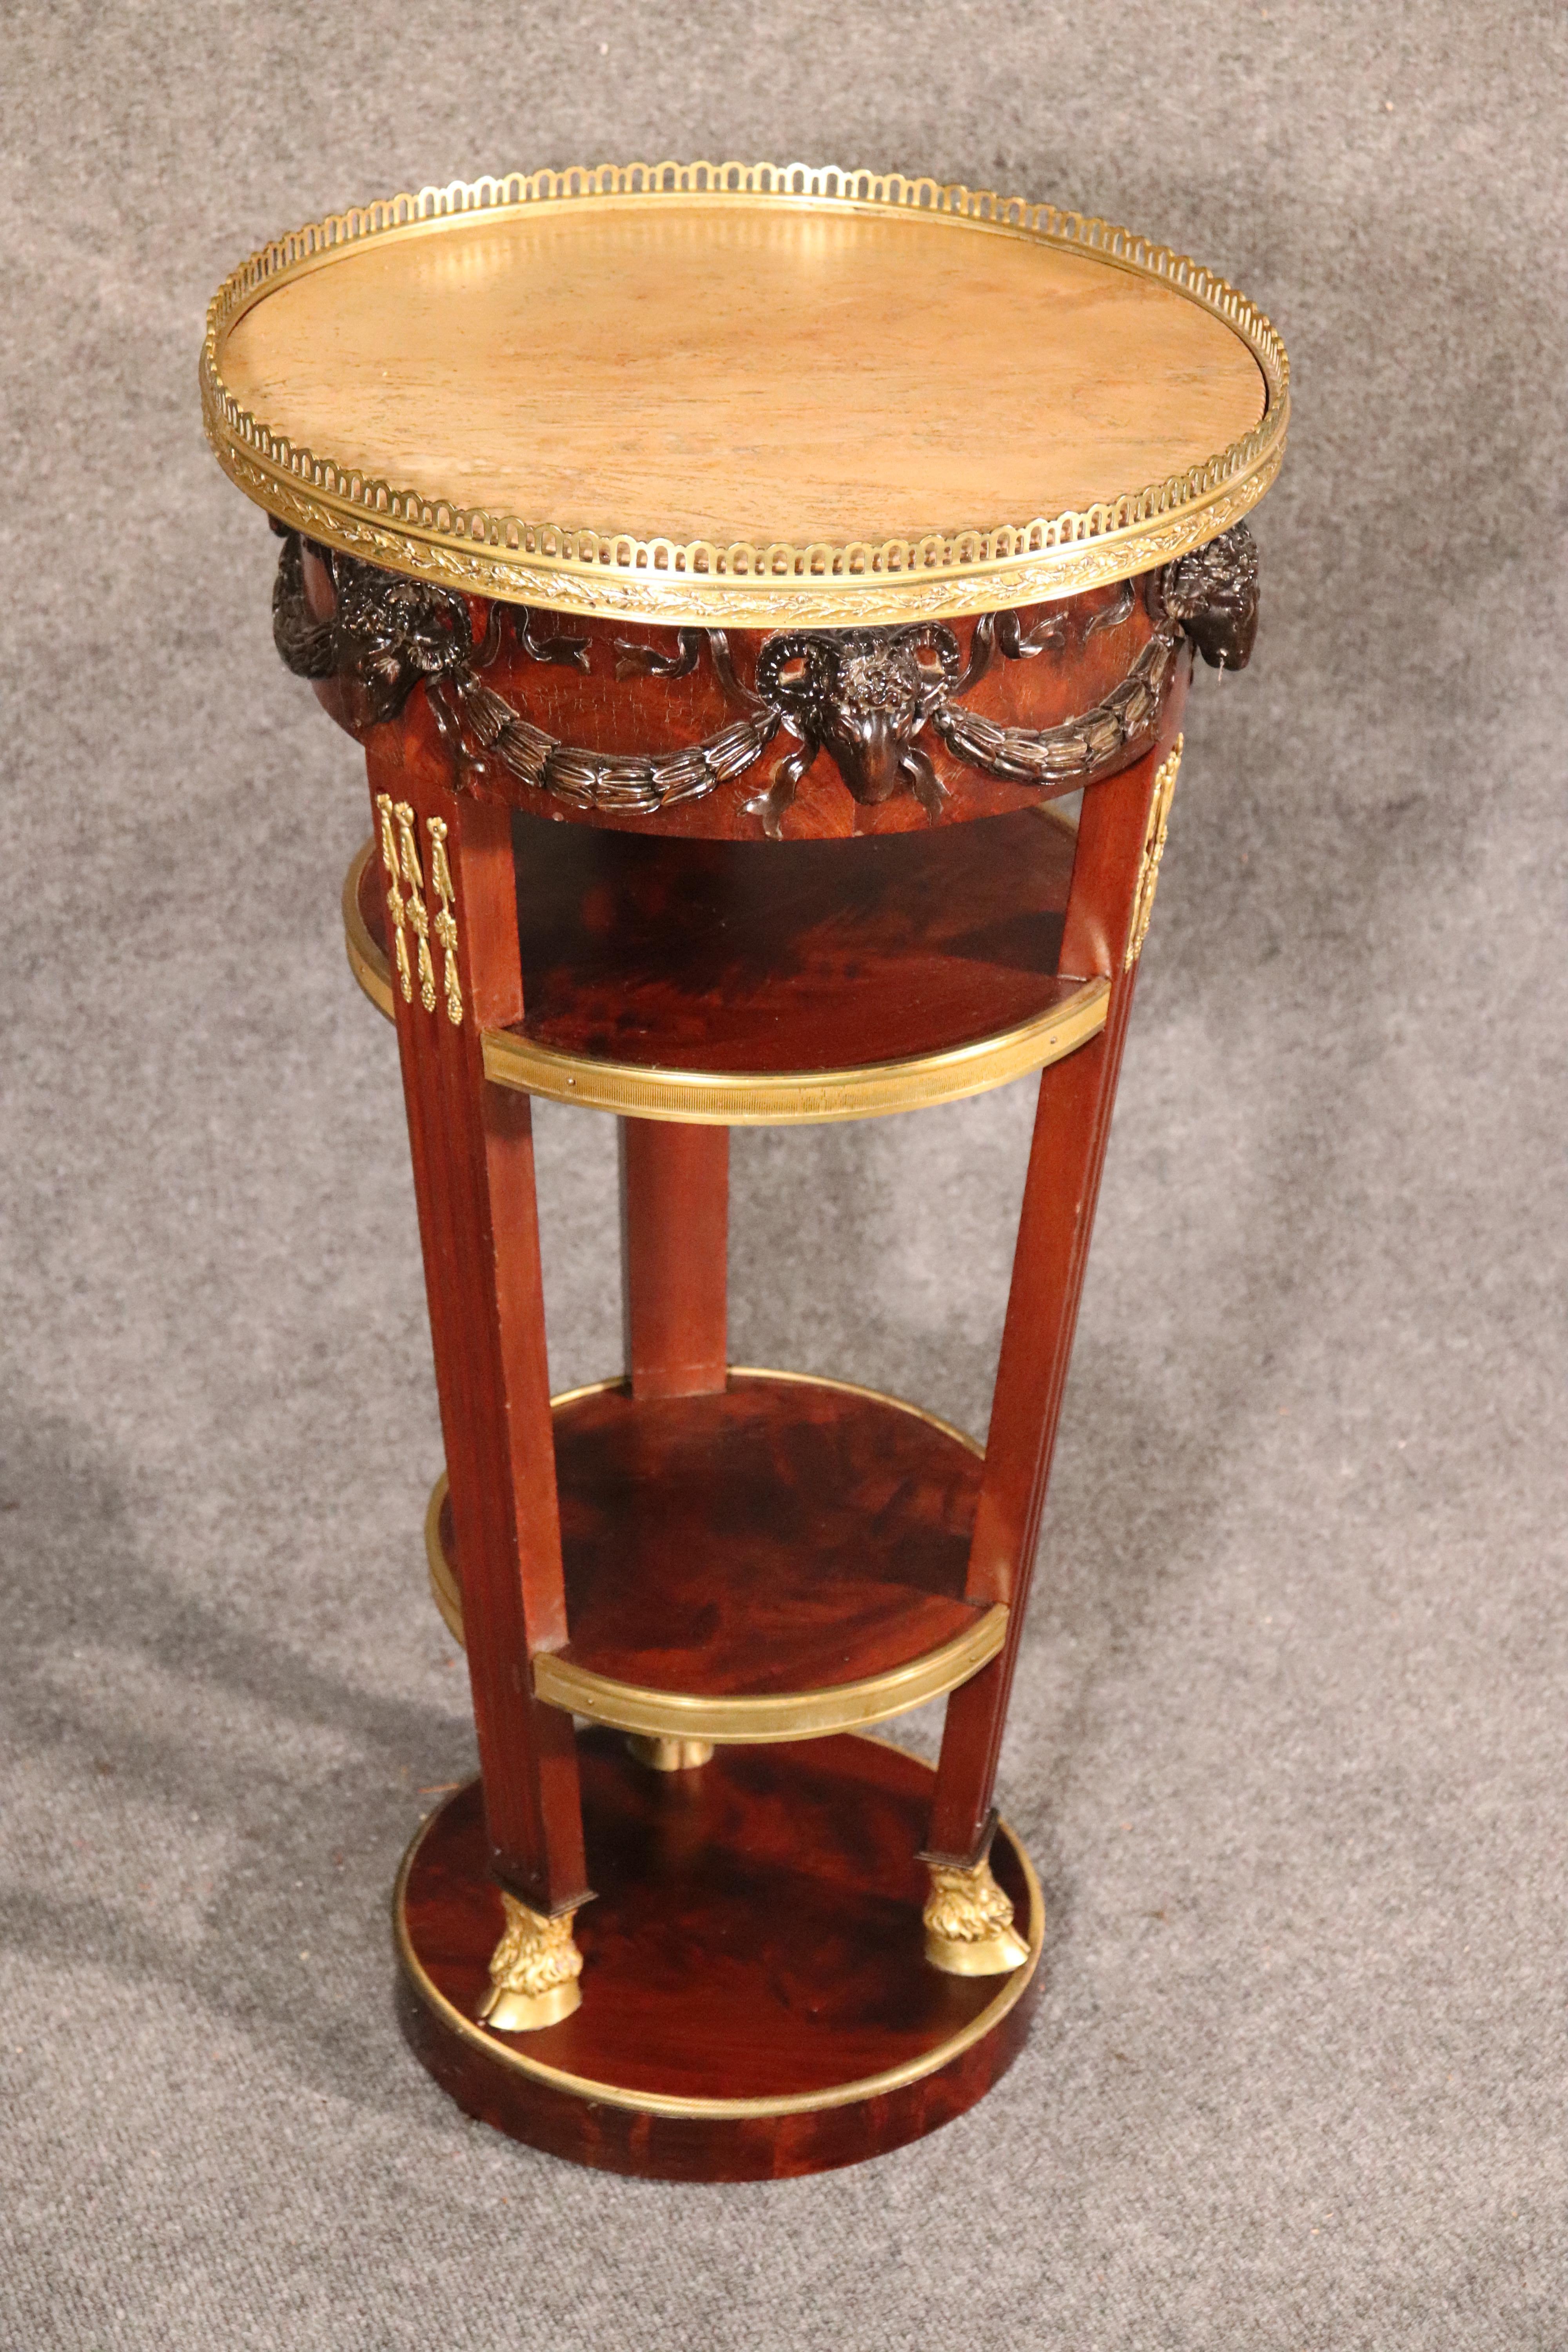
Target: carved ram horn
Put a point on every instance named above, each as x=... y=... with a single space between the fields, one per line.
x=795 y=700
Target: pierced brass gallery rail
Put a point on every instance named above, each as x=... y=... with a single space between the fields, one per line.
x=934 y=574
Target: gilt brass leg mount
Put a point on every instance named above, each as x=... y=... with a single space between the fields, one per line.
x=533 y=1971
x=968 y=1923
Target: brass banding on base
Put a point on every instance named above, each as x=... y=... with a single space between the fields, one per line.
x=752 y=1098
x=684 y=1717
x=1010 y=1990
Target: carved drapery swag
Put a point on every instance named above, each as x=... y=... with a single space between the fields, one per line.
x=865 y=696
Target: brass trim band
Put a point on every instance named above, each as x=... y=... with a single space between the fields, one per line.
x=934 y=575
x=444 y=1590
x=800 y=1715
x=799 y=1098
x=751 y=1098
x=366 y=961
x=841 y=2095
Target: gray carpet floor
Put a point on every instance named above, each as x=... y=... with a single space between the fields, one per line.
x=1289 y=1739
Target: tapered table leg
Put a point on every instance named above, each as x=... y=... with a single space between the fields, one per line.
x=447 y=865
x=1121 y=832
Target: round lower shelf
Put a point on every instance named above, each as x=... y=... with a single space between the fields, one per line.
x=756 y=2002
x=683 y=979
x=781 y=1560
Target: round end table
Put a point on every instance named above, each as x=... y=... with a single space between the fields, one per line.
x=767 y=598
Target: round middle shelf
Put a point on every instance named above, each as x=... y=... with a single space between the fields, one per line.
x=779 y=1561
x=765 y=985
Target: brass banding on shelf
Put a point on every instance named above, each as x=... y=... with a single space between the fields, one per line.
x=367 y=961
x=747 y=1097
x=794 y=1715
x=1010 y=1990
x=444 y=1590
x=746 y=1721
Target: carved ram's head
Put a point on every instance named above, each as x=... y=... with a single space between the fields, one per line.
x=393 y=632
x=863 y=694
x=1213 y=593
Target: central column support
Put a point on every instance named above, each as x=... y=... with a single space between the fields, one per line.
x=675 y=1246
x=669 y=1754
x=675 y=1239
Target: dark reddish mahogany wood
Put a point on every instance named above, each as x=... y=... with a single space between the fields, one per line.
x=675 y=1235
x=779 y=1536
x=794 y=956
x=1072 y=1127
x=757 y=1935
x=598 y=711
x=716 y=1542
x=800 y=956
x=472 y=1150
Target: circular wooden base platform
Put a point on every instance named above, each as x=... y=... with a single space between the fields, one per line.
x=756 y=2002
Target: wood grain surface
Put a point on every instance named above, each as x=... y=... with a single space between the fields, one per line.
x=756 y=1936
x=743 y=371
x=675 y=1254
x=778 y=1536
x=765 y=956
x=1056 y=1225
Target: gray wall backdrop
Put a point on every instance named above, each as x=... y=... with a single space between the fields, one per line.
x=1289 y=1740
